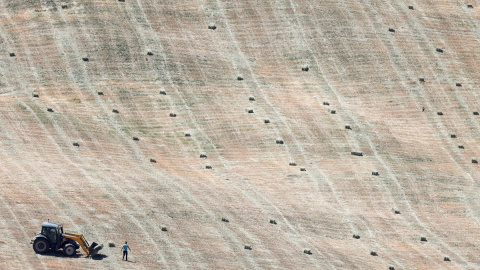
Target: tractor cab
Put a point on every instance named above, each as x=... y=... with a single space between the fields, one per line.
x=52 y=232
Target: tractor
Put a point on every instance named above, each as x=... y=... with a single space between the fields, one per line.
x=52 y=237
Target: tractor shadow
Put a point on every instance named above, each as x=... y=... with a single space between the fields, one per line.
x=59 y=253
x=99 y=257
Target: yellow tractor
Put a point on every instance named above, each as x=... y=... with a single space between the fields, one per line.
x=52 y=237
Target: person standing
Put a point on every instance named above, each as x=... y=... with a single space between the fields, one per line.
x=125 y=249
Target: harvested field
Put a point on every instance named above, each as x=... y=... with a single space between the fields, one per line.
x=80 y=80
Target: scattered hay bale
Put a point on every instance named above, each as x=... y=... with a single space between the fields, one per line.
x=136 y=139
x=303 y=169
x=375 y=173
x=203 y=155
x=446 y=259
x=458 y=85
x=85 y=59
x=307 y=251
x=357 y=154
x=251 y=98
x=305 y=68
x=121 y=0
x=410 y=7
x=111 y=244
x=391 y=268
x=326 y=103
x=76 y=144
x=153 y=160
x=187 y=134
x=439 y=113
x=212 y=26
x=292 y=164
x=356 y=236
x=249 y=110
x=272 y=221
x=162 y=92
x=453 y=135
x=397 y=212
x=225 y=220
x=461 y=146
x=50 y=109
x=248 y=247
x=474 y=160
x=348 y=127
x=115 y=111
x=266 y=121
x=100 y=93
x=12 y=54
x=35 y=95
x=391 y=30
x=149 y=53
x=373 y=253
x=279 y=141
x=333 y=111
x=439 y=50
x=208 y=167
x=475 y=113
x=469 y=5
x=164 y=229
x=64 y=6
x=239 y=78
x=173 y=115
x=423 y=239
x=421 y=79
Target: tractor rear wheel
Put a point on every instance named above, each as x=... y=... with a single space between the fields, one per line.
x=69 y=250
x=40 y=245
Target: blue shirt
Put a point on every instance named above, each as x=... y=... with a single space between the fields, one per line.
x=125 y=247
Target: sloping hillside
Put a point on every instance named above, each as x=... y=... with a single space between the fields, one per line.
x=228 y=126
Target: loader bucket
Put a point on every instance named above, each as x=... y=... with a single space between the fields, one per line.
x=94 y=248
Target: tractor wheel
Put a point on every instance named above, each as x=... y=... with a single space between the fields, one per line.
x=40 y=245
x=69 y=250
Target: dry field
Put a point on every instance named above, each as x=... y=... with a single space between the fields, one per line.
x=174 y=85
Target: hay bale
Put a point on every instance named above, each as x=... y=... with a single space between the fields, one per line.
x=421 y=79
x=50 y=109
x=12 y=54
x=333 y=111
x=326 y=103
x=111 y=244
x=251 y=98
x=162 y=92
x=307 y=251
x=266 y=121
x=348 y=127
x=453 y=135
x=239 y=78
x=375 y=173
x=469 y=6
x=439 y=113
x=303 y=169
x=356 y=236
x=305 y=68
x=458 y=85
x=249 y=110
x=373 y=253
x=272 y=221
x=173 y=115
x=203 y=155
x=410 y=7
x=357 y=154
x=121 y=0
x=64 y=6
x=164 y=229
x=187 y=134
x=391 y=30
x=35 y=95
x=248 y=247
x=474 y=160
x=292 y=164
x=212 y=26
x=475 y=113
x=279 y=141
x=76 y=144
x=115 y=111
x=397 y=212
x=85 y=59
x=149 y=53
x=423 y=239
x=446 y=259
x=136 y=139
x=225 y=220
x=100 y=93
x=461 y=146
x=439 y=50
x=391 y=268
x=208 y=167
x=153 y=160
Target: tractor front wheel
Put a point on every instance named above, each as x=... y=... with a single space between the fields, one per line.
x=40 y=245
x=69 y=250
